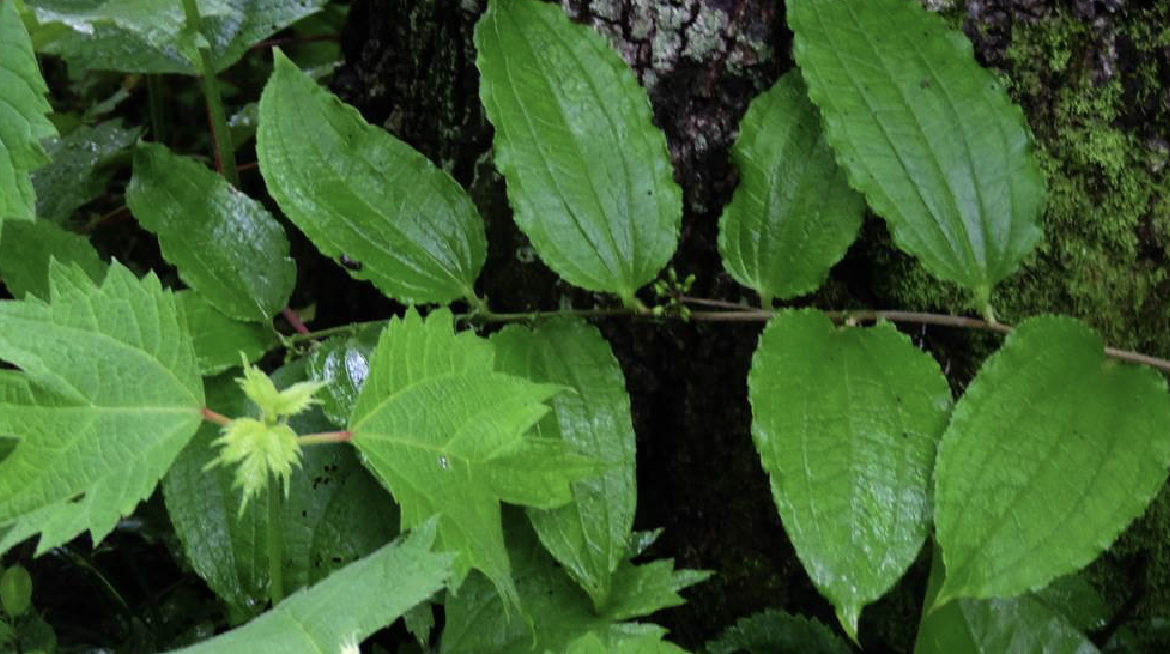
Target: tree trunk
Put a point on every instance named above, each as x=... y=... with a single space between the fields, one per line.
x=1094 y=80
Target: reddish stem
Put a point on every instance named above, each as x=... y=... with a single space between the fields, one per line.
x=294 y=320
x=217 y=418
x=326 y=437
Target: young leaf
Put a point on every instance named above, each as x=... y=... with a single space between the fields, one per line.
x=1051 y=452
x=347 y=607
x=219 y=340
x=588 y=536
x=558 y=611
x=28 y=247
x=446 y=434
x=588 y=173
x=846 y=422
x=335 y=512
x=927 y=135
x=1019 y=624
x=149 y=36
x=793 y=214
x=22 y=117
x=225 y=245
x=771 y=630
x=81 y=167
x=109 y=395
x=355 y=190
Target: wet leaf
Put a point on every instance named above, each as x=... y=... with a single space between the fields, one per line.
x=347 y=607
x=1051 y=452
x=793 y=214
x=590 y=535
x=225 y=245
x=219 y=340
x=335 y=512
x=25 y=251
x=85 y=431
x=846 y=422
x=80 y=169
x=357 y=191
x=447 y=434
x=588 y=173
x=22 y=117
x=342 y=363
x=926 y=134
x=591 y=643
x=772 y=631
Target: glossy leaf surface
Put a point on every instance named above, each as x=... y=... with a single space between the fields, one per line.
x=335 y=512
x=219 y=340
x=347 y=607
x=846 y=422
x=793 y=214
x=591 y=643
x=84 y=430
x=590 y=535
x=149 y=36
x=357 y=191
x=342 y=363
x=925 y=133
x=588 y=173
x=558 y=610
x=1019 y=625
x=80 y=168
x=1051 y=452
x=22 y=117
x=224 y=244
x=25 y=250
x=772 y=630
x=446 y=433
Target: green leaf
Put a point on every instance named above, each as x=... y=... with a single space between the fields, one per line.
x=446 y=434
x=219 y=340
x=225 y=245
x=25 y=252
x=81 y=167
x=15 y=591
x=1020 y=625
x=588 y=536
x=772 y=631
x=347 y=607
x=22 y=117
x=149 y=36
x=588 y=173
x=1051 y=452
x=926 y=134
x=109 y=395
x=557 y=610
x=354 y=189
x=591 y=643
x=793 y=214
x=846 y=422
x=335 y=511
x=342 y=363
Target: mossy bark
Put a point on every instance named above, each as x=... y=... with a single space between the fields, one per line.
x=1094 y=80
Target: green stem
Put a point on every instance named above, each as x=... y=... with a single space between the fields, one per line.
x=154 y=96
x=275 y=543
x=225 y=155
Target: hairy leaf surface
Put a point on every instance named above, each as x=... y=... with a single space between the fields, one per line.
x=925 y=133
x=1051 y=452
x=772 y=630
x=347 y=607
x=447 y=435
x=335 y=512
x=357 y=191
x=558 y=610
x=150 y=36
x=590 y=535
x=588 y=173
x=846 y=422
x=110 y=393
x=81 y=167
x=22 y=117
x=25 y=252
x=224 y=244
x=793 y=214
